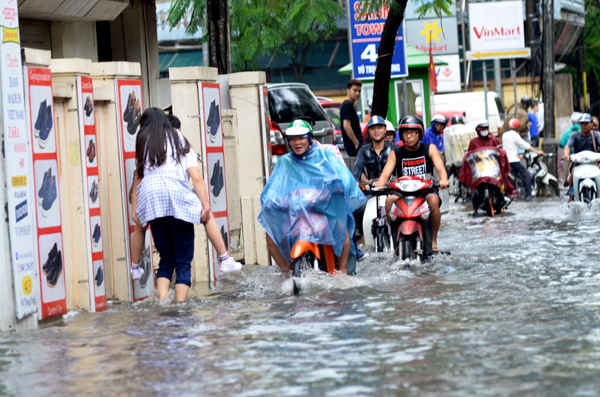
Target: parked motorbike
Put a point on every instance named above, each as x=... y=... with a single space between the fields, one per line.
x=410 y=218
x=486 y=180
x=545 y=183
x=586 y=176
x=375 y=220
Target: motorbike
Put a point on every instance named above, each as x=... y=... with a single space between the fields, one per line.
x=586 y=176
x=375 y=220
x=307 y=224
x=308 y=256
x=410 y=218
x=486 y=180
x=544 y=183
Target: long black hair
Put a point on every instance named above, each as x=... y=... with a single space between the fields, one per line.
x=152 y=139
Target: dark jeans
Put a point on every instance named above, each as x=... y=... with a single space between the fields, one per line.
x=174 y=240
x=520 y=172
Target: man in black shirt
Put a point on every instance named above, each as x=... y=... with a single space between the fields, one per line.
x=350 y=124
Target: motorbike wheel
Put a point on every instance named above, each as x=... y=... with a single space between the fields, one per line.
x=408 y=248
x=382 y=239
x=587 y=195
x=300 y=266
x=554 y=186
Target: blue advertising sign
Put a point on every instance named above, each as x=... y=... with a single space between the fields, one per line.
x=365 y=35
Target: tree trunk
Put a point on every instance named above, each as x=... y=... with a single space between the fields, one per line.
x=217 y=16
x=383 y=70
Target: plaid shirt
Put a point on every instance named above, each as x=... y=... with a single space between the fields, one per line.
x=164 y=191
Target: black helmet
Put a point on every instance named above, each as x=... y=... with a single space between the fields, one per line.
x=526 y=102
x=457 y=119
x=411 y=122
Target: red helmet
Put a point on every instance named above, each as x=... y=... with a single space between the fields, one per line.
x=514 y=124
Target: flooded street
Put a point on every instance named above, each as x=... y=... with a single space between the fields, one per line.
x=513 y=310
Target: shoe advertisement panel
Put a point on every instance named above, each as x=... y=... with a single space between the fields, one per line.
x=17 y=166
x=213 y=157
x=129 y=112
x=89 y=159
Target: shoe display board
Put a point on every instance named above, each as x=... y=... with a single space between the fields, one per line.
x=129 y=111
x=47 y=208
x=213 y=159
x=16 y=200
x=89 y=159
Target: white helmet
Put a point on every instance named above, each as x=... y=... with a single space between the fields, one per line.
x=575 y=117
x=389 y=127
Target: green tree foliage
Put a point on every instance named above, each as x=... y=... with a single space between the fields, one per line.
x=268 y=27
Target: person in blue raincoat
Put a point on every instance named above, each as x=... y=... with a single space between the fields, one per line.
x=434 y=135
x=310 y=195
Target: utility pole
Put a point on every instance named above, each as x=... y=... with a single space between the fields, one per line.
x=548 y=70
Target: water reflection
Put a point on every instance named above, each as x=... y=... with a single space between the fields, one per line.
x=512 y=310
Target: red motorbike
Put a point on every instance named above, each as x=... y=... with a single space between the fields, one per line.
x=410 y=217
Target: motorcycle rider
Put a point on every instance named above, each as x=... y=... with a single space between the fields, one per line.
x=586 y=139
x=511 y=142
x=309 y=167
x=434 y=134
x=371 y=159
x=483 y=139
x=418 y=159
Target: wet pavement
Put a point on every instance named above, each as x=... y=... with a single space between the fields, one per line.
x=513 y=310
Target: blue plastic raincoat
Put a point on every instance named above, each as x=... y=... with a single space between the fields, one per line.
x=310 y=198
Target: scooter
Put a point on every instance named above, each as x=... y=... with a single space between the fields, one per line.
x=544 y=182
x=308 y=256
x=410 y=218
x=586 y=176
x=375 y=220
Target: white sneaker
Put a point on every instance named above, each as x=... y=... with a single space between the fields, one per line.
x=136 y=272
x=230 y=265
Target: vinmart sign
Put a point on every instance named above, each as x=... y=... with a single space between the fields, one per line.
x=496 y=26
x=365 y=35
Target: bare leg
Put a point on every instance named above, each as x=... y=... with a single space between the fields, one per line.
x=436 y=216
x=162 y=286
x=343 y=259
x=214 y=235
x=276 y=254
x=137 y=243
x=181 y=291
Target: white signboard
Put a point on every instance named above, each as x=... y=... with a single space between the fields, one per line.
x=17 y=150
x=448 y=76
x=496 y=26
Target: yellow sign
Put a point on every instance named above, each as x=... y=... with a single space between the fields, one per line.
x=27 y=285
x=497 y=54
x=10 y=35
x=19 y=181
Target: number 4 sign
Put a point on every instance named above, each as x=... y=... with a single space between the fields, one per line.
x=365 y=35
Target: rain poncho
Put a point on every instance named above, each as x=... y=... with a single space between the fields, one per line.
x=310 y=198
x=487 y=164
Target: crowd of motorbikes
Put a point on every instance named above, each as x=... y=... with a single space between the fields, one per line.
x=405 y=228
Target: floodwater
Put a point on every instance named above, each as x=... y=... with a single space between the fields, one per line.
x=513 y=310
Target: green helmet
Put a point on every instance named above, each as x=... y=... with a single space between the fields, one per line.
x=298 y=127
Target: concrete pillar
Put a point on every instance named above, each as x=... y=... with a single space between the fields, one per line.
x=46 y=182
x=118 y=149
x=75 y=39
x=246 y=92
x=186 y=106
x=81 y=241
x=134 y=39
